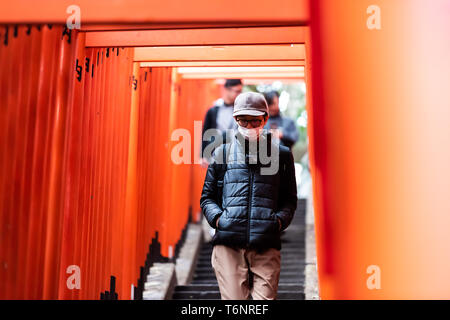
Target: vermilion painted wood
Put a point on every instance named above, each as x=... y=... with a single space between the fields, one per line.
x=96 y=106
x=157 y=169
x=154 y=195
x=170 y=12
x=155 y=26
x=125 y=70
x=137 y=94
x=30 y=254
x=14 y=142
x=43 y=153
x=219 y=63
x=69 y=209
x=32 y=73
x=20 y=145
x=91 y=164
x=145 y=110
x=123 y=288
x=381 y=188
x=198 y=105
x=84 y=196
x=56 y=140
x=4 y=56
x=165 y=228
x=161 y=118
x=3 y=121
x=11 y=118
x=221 y=53
x=72 y=164
x=91 y=229
x=159 y=161
x=16 y=153
x=176 y=202
x=130 y=224
x=197 y=37
x=115 y=247
x=100 y=172
x=54 y=147
x=93 y=105
x=107 y=214
x=132 y=192
x=152 y=154
x=139 y=90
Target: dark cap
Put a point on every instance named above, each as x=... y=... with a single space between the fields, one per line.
x=251 y=104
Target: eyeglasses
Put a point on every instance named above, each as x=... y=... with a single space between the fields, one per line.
x=255 y=123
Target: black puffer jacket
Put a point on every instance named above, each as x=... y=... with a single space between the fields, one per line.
x=251 y=201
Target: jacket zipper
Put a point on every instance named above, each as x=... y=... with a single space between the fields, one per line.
x=249 y=206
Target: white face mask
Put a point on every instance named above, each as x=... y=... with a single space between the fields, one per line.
x=251 y=134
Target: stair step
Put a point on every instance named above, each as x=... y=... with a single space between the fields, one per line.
x=286 y=248
x=282 y=276
x=284 y=270
x=196 y=295
x=215 y=287
x=284 y=266
x=286 y=243
x=285 y=295
x=288 y=268
x=281 y=282
x=286 y=256
x=291 y=262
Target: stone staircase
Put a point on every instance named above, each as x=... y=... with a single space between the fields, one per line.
x=292 y=278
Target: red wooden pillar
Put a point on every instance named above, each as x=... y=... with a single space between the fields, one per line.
x=380 y=74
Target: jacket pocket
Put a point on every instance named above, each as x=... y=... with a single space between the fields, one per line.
x=275 y=222
x=219 y=225
x=273 y=216
x=221 y=218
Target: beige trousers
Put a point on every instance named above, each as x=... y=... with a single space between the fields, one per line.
x=231 y=267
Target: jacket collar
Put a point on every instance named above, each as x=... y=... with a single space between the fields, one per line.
x=242 y=144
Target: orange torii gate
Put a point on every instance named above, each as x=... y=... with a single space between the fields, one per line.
x=377 y=75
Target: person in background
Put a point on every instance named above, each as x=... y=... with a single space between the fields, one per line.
x=281 y=127
x=220 y=116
